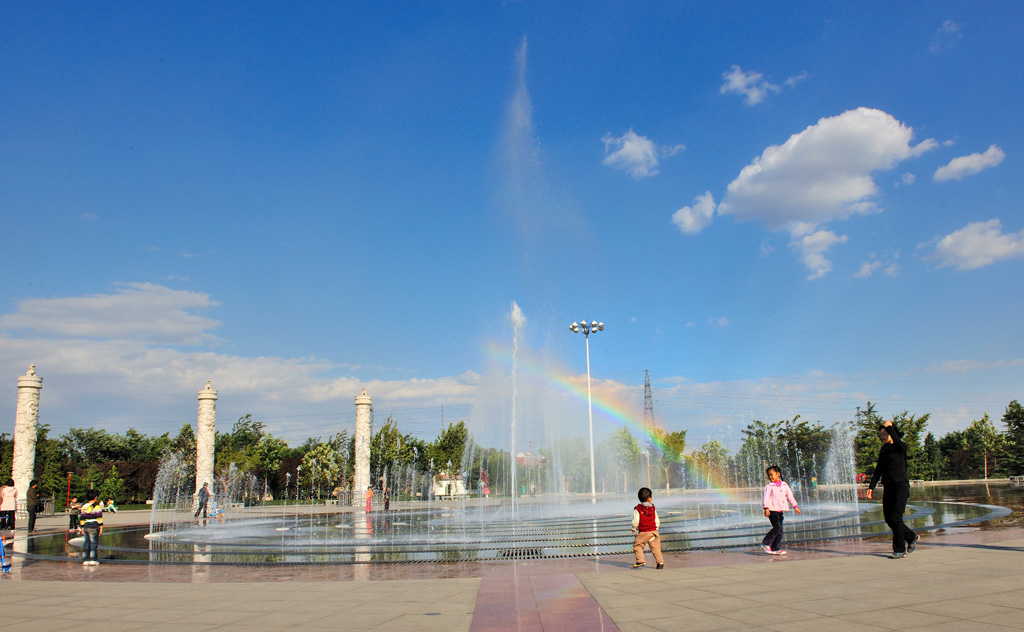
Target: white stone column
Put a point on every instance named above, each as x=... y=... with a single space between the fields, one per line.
x=25 y=421
x=206 y=432
x=361 y=478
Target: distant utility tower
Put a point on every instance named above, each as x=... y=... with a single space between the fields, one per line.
x=648 y=421
x=648 y=404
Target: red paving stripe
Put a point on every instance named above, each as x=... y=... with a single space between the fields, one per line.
x=537 y=602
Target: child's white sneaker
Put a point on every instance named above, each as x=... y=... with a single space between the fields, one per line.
x=767 y=549
x=780 y=552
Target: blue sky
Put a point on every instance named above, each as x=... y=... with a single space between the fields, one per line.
x=774 y=213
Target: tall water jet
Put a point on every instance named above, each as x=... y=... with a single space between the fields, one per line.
x=518 y=321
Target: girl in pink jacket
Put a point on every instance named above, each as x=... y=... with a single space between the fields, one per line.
x=777 y=499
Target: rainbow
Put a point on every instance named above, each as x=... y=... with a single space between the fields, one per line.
x=611 y=408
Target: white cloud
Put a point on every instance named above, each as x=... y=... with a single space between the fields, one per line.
x=796 y=80
x=751 y=85
x=822 y=173
x=867 y=269
x=106 y=363
x=960 y=168
x=979 y=244
x=908 y=178
x=720 y=322
x=889 y=268
x=811 y=250
x=969 y=366
x=139 y=311
x=944 y=38
x=121 y=383
x=690 y=220
x=636 y=155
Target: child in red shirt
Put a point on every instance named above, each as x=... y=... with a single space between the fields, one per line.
x=645 y=526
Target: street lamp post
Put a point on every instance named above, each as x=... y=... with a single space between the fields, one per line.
x=586 y=330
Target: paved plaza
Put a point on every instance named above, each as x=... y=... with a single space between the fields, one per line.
x=960 y=579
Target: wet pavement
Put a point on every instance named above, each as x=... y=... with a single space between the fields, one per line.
x=960 y=577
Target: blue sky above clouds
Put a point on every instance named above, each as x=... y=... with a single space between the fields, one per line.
x=774 y=213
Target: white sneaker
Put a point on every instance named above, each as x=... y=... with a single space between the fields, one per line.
x=779 y=552
x=767 y=549
x=95 y=563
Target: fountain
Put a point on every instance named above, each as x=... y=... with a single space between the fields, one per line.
x=555 y=518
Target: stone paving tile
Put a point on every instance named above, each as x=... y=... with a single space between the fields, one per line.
x=703 y=622
x=717 y=605
x=963 y=608
x=973 y=582
x=963 y=626
x=1013 y=619
x=831 y=606
x=428 y=622
x=758 y=617
x=895 y=618
x=1011 y=599
x=629 y=614
x=819 y=624
x=636 y=627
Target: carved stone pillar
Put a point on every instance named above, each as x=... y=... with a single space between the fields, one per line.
x=361 y=478
x=25 y=421
x=206 y=431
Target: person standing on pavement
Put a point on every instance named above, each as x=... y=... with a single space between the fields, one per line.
x=8 y=505
x=645 y=529
x=31 y=500
x=892 y=471
x=91 y=522
x=204 y=497
x=776 y=500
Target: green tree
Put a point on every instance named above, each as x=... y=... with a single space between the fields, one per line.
x=185 y=444
x=88 y=446
x=984 y=445
x=955 y=456
x=670 y=452
x=932 y=457
x=6 y=453
x=1013 y=418
x=266 y=457
x=449 y=448
x=239 y=445
x=320 y=468
x=712 y=459
x=49 y=472
x=388 y=452
x=868 y=443
x=112 y=486
x=571 y=458
x=626 y=452
x=135 y=446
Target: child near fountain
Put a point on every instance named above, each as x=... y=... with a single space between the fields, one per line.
x=777 y=499
x=645 y=527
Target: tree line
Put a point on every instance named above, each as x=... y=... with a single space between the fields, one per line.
x=124 y=466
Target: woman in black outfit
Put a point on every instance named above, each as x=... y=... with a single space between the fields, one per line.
x=892 y=469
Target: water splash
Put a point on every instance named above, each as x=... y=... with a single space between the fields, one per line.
x=518 y=322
